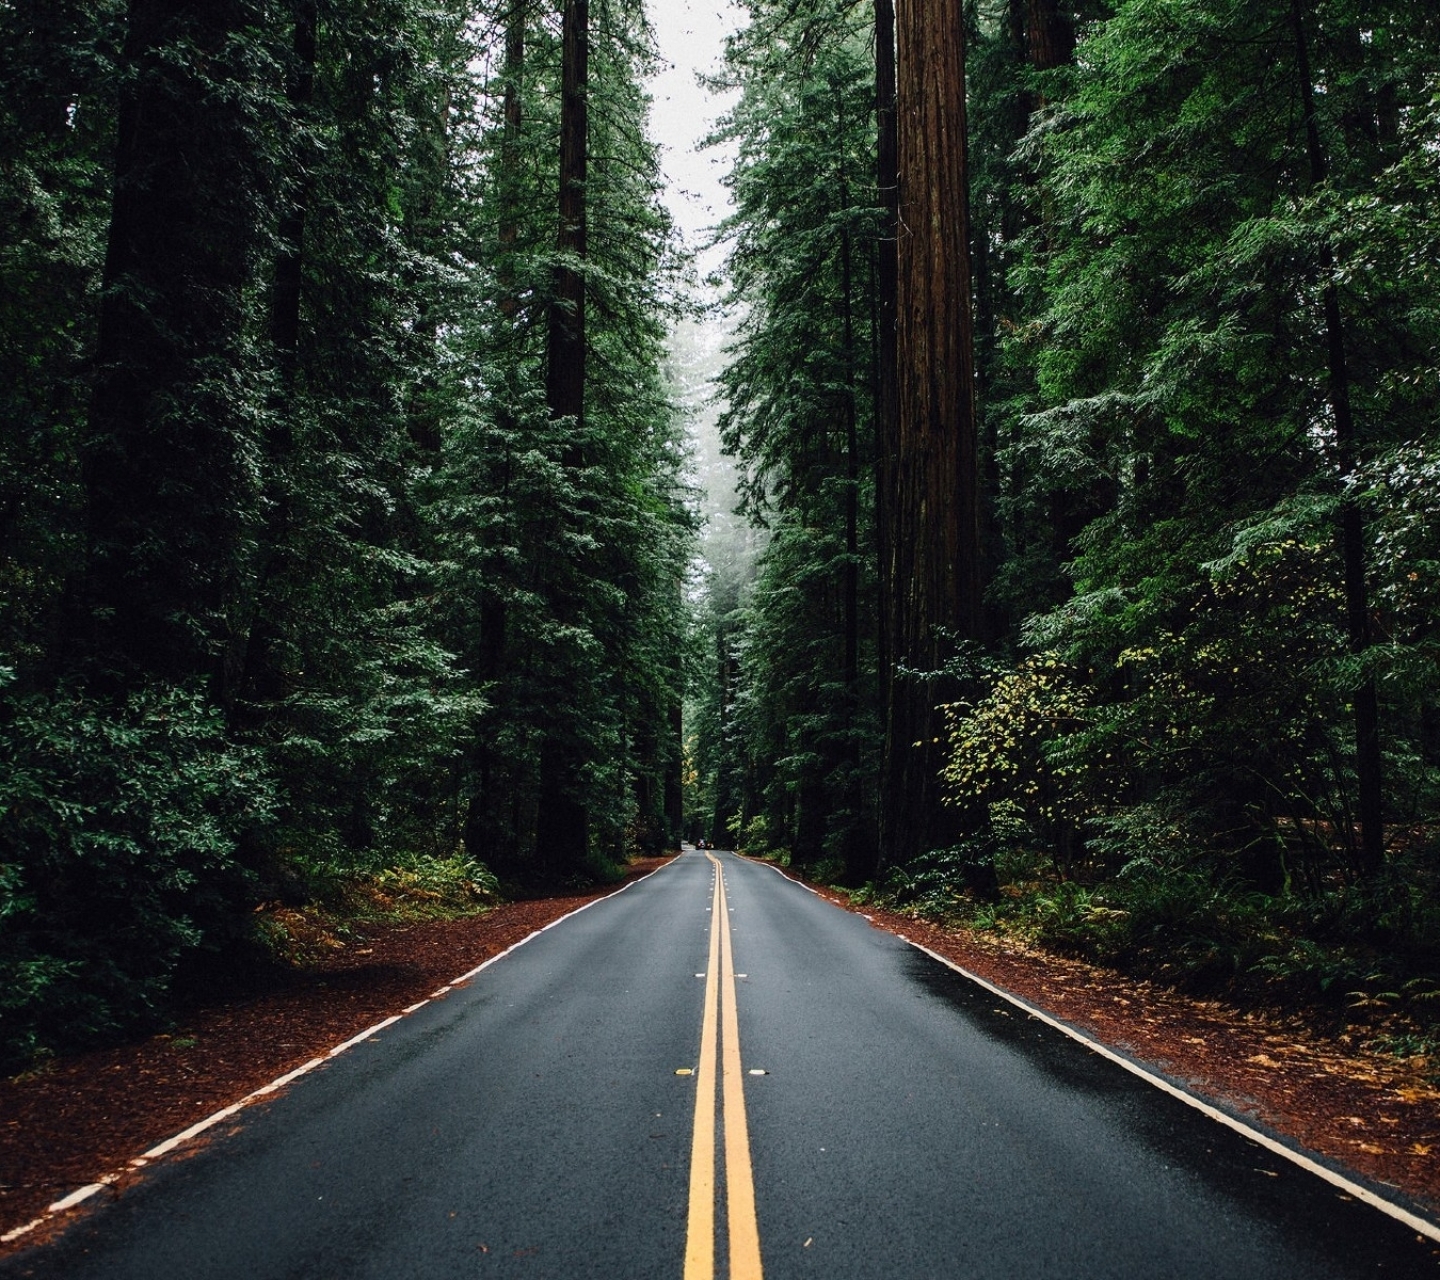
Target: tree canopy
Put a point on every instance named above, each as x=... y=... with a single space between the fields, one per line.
x=303 y=576
x=1081 y=386
x=1189 y=694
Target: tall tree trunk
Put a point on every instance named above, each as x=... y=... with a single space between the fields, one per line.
x=290 y=260
x=490 y=831
x=1049 y=35
x=934 y=537
x=258 y=677
x=165 y=469
x=565 y=371
x=859 y=861
x=562 y=835
x=509 y=177
x=1368 y=762
x=675 y=777
x=887 y=393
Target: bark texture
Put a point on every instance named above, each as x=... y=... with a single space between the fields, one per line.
x=165 y=469
x=934 y=544
x=1369 y=765
x=562 y=823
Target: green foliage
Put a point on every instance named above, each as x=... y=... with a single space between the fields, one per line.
x=563 y=542
x=287 y=604
x=1021 y=751
x=753 y=838
x=119 y=830
x=795 y=737
x=1157 y=244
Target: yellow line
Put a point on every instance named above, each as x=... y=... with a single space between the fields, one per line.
x=700 y=1227
x=720 y=1064
x=739 y=1177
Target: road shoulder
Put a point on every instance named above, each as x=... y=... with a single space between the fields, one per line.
x=1370 y=1114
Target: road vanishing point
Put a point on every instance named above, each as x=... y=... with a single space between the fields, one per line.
x=716 y=1073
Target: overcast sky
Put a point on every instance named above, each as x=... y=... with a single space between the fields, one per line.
x=690 y=34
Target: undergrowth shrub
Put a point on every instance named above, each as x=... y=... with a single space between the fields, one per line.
x=753 y=837
x=119 y=824
x=418 y=887
x=1364 y=955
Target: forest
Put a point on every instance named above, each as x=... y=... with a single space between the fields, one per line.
x=1082 y=385
x=343 y=525
x=1091 y=591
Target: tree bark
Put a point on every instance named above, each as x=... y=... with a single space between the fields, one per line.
x=286 y=295
x=1369 y=766
x=164 y=465
x=858 y=859
x=934 y=538
x=490 y=831
x=565 y=373
x=674 y=781
x=258 y=677
x=887 y=393
x=1049 y=35
x=562 y=826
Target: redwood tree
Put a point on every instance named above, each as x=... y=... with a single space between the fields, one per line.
x=562 y=826
x=933 y=534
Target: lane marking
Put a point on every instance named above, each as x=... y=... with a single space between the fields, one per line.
x=700 y=1221
x=721 y=1081
x=81 y=1194
x=1363 y=1194
x=1351 y=1188
x=739 y=1176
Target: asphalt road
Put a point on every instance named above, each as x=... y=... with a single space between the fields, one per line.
x=908 y=1124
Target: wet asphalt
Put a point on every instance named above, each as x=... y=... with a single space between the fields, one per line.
x=909 y=1124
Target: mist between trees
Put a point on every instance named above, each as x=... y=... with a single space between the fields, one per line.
x=1105 y=614
x=1082 y=388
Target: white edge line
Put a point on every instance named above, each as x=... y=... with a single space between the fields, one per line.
x=1363 y=1194
x=193 y=1131
x=82 y=1194
x=364 y=1035
x=24 y=1229
x=784 y=876
x=530 y=937
x=285 y=1079
x=74 y=1198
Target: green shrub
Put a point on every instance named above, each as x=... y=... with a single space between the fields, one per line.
x=119 y=825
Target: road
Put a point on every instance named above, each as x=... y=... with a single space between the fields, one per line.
x=700 y=1077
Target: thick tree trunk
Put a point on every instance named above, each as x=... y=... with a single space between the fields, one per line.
x=490 y=832
x=856 y=854
x=1369 y=767
x=165 y=466
x=565 y=373
x=1049 y=35
x=286 y=295
x=258 y=676
x=675 y=778
x=887 y=393
x=562 y=828
x=509 y=177
x=934 y=538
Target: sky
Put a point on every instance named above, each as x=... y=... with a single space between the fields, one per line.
x=690 y=34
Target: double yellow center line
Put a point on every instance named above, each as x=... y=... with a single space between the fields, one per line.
x=719 y=1079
